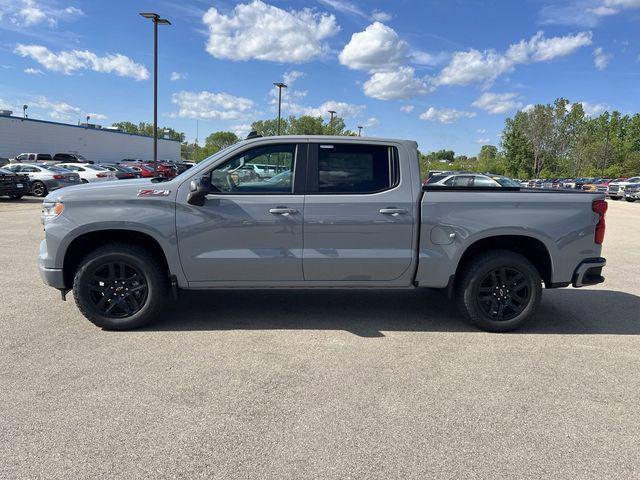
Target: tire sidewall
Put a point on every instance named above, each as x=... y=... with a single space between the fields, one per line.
x=471 y=285
x=81 y=291
x=40 y=185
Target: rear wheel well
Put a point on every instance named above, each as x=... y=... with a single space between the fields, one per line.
x=530 y=248
x=83 y=245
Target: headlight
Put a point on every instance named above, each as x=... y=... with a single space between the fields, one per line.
x=51 y=210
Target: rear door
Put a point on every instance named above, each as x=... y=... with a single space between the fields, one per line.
x=249 y=231
x=359 y=215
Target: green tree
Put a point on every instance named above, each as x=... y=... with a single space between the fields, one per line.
x=220 y=140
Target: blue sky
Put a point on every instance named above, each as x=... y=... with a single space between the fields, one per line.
x=443 y=72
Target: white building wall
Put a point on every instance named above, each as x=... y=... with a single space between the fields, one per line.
x=19 y=135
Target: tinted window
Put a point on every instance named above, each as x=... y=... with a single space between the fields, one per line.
x=436 y=178
x=463 y=181
x=355 y=168
x=30 y=169
x=240 y=175
x=44 y=156
x=483 y=182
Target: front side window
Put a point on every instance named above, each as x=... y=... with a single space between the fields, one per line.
x=240 y=174
x=484 y=182
x=463 y=181
x=355 y=168
x=44 y=157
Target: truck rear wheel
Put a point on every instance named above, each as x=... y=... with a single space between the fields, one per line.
x=120 y=286
x=499 y=290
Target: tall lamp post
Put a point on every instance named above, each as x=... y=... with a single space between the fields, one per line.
x=332 y=113
x=280 y=86
x=24 y=110
x=359 y=130
x=155 y=18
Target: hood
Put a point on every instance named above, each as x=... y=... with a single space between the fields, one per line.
x=124 y=189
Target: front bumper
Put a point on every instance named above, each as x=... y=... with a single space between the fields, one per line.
x=54 y=277
x=589 y=272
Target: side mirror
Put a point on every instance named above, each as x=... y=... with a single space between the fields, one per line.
x=198 y=190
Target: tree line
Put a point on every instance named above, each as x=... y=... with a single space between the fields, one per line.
x=556 y=140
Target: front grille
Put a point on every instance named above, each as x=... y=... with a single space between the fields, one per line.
x=614 y=188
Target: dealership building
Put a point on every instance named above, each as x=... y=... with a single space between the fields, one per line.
x=26 y=135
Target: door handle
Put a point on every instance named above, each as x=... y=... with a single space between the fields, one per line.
x=282 y=211
x=393 y=211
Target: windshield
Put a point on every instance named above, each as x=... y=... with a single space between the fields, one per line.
x=5 y=172
x=95 y=167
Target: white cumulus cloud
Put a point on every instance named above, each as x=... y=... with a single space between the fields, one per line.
x=342 y=109
x=378 y=47
x=33 y=71
x=401 y=83
x=407 y=108
x=498 y=103
x=260 y=31
x=445 y=115
x=70 y=61
x=475 y=66
x=209 y=105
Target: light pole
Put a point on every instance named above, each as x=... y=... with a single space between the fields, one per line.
x=332 y=113
x=359 y=131
x=88 y=118
x=155 y=18
x=280 y=86
x=24 y=110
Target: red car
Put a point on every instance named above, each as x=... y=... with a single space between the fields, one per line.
x=145 y=169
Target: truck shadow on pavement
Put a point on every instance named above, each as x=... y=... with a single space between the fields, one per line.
x=368 y=313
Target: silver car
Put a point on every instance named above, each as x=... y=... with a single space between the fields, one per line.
x=45 y=178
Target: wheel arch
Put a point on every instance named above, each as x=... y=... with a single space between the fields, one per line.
x=85 y=243
x=529 y=247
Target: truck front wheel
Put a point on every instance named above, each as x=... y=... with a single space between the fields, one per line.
x=499 y=290
x=120 y=286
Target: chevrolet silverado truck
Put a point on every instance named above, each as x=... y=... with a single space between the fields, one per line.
x=336 y=212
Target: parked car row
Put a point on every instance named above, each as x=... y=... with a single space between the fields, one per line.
x=614 y=188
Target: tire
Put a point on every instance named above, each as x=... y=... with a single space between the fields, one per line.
x=97 y=287
x=82 y=180
x=615 y=198
x=15 y=196
x=499 y=281
x=39 y=189
x=631 y=200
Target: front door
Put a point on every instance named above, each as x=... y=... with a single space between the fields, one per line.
x=250 y=228
x=359 y=215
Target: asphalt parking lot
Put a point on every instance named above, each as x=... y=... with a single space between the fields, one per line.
x=306 y=385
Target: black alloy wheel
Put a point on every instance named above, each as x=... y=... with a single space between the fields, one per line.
x=117 y=289
x=504 y=293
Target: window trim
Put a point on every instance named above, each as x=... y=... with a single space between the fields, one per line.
x=299 y=170
x=313 y=169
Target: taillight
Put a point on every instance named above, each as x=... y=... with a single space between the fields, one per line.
x=102 y=175
x=600 y=207
x=59 y=177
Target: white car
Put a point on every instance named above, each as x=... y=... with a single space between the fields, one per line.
x=45 y=178
x=88 y=172
x=470 y=180
x=615 y=191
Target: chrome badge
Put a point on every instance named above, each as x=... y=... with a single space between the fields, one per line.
x=153 y=193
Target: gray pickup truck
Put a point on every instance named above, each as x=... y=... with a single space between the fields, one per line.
x=333 y=212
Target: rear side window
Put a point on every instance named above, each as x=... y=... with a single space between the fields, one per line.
x=356 y=168
x=44 y=157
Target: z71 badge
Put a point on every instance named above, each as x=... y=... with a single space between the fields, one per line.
x=153 y=193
